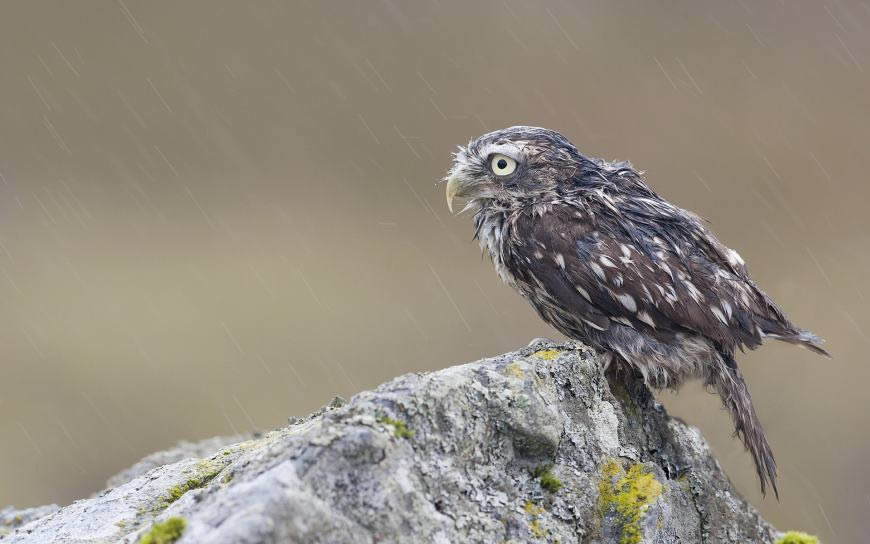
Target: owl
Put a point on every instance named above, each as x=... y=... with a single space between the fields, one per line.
x=607 y=261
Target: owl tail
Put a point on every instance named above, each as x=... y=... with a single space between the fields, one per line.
x=804 y=339
x=728 y=382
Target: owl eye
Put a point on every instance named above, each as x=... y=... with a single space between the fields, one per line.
x=502 y=165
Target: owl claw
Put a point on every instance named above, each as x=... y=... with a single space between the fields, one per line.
x=541 y=340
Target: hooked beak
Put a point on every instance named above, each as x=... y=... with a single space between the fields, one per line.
x=453 y=189
x=460 y=186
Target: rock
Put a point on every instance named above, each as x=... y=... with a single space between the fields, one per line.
x=182 y=450
x=11 y=519
x=531 y=446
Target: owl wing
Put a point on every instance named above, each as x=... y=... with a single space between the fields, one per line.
x=605 y=273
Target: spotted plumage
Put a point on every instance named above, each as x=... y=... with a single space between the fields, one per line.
x=605 y=260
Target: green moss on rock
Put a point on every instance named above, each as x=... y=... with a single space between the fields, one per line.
x=537 y=530
x=548 y=354
x=533 y=509
x=400 y=429
x=206 y=472
x=548 y=480
x=797 y=537
x=627 y=494
x=515 y=369
x=535 y=512
x=166 y=532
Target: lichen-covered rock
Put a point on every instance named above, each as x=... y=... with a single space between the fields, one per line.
x=182 y=450
x=532 y=446
x=11 y=518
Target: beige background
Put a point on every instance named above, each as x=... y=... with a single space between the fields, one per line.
x=217 y=214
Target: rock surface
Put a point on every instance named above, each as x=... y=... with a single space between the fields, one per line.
x=531 y=446
x=181 y=451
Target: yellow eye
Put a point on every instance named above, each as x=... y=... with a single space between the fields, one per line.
x=502 y=165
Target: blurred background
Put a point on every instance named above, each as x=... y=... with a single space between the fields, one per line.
x=218 y=214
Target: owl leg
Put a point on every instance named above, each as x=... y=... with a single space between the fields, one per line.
x=623 y=376
x=618 y=369
x=541 y=340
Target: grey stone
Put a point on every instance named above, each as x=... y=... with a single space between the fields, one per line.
x=182 y=450
x=11 y=518
x=530 y=446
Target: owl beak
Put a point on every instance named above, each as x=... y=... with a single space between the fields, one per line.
x=459 y=186
x=462 y=186
x=453 y=188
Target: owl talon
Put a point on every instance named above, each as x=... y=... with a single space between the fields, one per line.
x=541 y=340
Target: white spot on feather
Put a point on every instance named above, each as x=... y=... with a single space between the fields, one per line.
x=627 y=301
x=647 y=295
x=606 y=261
x=664 y=266
x=646 y=318
x=583 y=292
x=593 y=325
x=693 y=291
x=718 y=313
x=598 y=271
x=734 y=258
x=560 y=260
